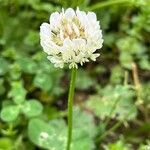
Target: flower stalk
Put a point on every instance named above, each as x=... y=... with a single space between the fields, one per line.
x=70 y=106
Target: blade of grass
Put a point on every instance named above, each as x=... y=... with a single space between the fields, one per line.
x=108 y=3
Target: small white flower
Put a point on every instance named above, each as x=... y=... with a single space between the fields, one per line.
x=72 y=37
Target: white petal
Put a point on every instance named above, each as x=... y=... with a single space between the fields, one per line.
x=79 y=43
x=56 y=61
x=50 y=47
x=94 y=56
x=91 y=16
x=67 y=43
x=68 y=55
x=45 y=29
x=55 y=19
x=75 y=28
x=82 y=17
x=61 y=35
x=69 y=13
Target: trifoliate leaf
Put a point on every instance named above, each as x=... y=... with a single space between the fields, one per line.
x=84 y=81
x=53 y=135
x=32 y=38
x=114 y=102
x=10 y=113
x=32 y=108
x=27 y=65
x=43 y=81
x=130 y=45
x=48 y=136
x=10 y=52
x=15 y=71
x=17 y=92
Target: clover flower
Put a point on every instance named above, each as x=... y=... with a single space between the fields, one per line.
x=72 y=37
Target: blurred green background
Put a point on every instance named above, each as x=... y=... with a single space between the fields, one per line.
x=112 y=100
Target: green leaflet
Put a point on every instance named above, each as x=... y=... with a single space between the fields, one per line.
x=10 y=113
x=53 y=135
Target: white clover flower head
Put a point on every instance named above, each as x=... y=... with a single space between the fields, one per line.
x=71 y=37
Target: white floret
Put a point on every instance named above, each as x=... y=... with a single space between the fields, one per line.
x=71 y=37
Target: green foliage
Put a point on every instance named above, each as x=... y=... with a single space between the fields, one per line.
x=116 y=75
x=84 y=128
x=145 y=94
x=119 y=145
x=5 y=144
x=27 y=78
x=17 y=92
x=10 y=113
x=27 y=65
x=2 y=88
x=114 y=103
x=145 y=146
x=130 y=46
x=54 y=134
x=47 y=135
x=32 y=108
x=3 y=66
x=43 y=81
x=82 y=83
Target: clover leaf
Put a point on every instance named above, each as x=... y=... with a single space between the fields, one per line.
x=53 y=135
x=17 y=92
x=10 y=113
x=47 y=135
x=32 y=108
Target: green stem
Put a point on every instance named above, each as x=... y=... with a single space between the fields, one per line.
x=108 y=3
x=70 y=106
